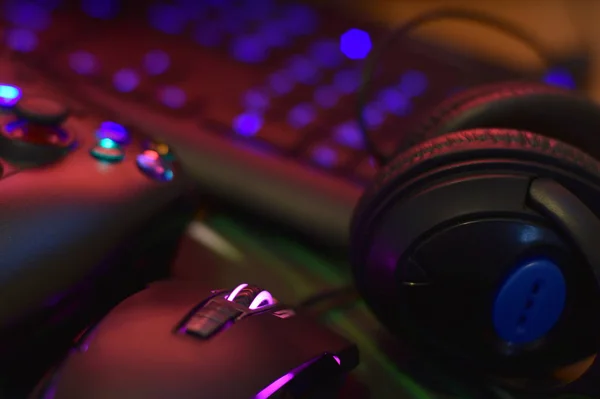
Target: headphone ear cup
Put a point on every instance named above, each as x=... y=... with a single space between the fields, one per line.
x=468 y=145
x=414 y=169
x=533 y=107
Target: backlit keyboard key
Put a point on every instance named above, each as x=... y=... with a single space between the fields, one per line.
x=329 y=156
x=349 y=135
x=374 y=116
x=126 y=80
x=413 y=83
x=395 y=102
x=251 y=125
x=172 y=97
x=22 y=40
x=27 y=15
x=250 y=49
x=324 y=156
x=301 y=116
x=248 y=124
x=156 y=62
x=84 y=63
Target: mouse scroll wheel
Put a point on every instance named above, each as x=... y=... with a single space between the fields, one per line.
x=251 y=296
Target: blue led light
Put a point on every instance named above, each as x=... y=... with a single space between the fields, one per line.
x=301 y=115
x=154 y=166
x=27 y=14
x=561 y=78
x=355 y=44
x=324 y=156
x=374 y=116
x=113 y=132
x=126 y=80
x=105 y=9
x=168 y=19
x=249 y=49
x=413 y=83
x=395 y=102
x=22 y=40
x=172 y=96
x=248 y=124
x=349 y=135
x=326 y=97
x=83 y=63
x=9 y=95
x=156 y=62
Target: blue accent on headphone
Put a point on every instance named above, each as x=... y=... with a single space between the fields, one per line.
x=530 y=302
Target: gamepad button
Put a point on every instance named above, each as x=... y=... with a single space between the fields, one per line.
x=154 y=166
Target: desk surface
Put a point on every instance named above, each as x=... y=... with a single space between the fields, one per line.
x=221 y=252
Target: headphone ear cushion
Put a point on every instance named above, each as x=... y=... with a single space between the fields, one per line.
x=533 y=107
x=435 y=122
x=474 y=144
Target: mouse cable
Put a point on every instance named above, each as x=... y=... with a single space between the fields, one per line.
x=407 y=27
x=336 y=297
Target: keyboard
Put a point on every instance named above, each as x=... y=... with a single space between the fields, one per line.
x=257 y=97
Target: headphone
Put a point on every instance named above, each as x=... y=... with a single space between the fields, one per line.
x=479 y=239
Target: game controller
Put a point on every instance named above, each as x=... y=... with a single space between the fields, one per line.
x=84 y=200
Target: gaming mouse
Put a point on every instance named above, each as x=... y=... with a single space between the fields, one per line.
x=173 y=340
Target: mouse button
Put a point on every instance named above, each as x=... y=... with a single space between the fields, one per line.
x=211 y=318
x=202 y=327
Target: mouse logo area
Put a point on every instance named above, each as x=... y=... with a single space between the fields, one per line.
x=284 y=313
